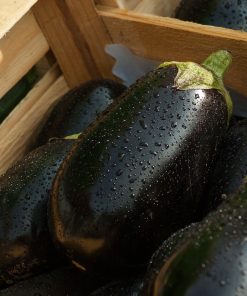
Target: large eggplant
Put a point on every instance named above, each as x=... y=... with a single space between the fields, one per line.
x=78 y=108
x=224 y=13
x=208 y=259
x=25 y=244
x=138 y=174
x=231 y=166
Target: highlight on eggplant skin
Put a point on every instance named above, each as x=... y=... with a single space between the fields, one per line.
x=78 y=108
x=25 y=243
x=231 y=166
x=223 y=13
x=208 y=259
x=138 y=174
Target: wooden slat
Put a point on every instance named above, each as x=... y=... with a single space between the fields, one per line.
x=11 y=11
x=20 y=49
x=111 y=3
x=170 y=39
x=77 y=37
x=19 y=129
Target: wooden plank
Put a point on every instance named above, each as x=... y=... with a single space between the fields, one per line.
x=11 y=12
x=163 y=38
x=77 y=37
x=111 y=3
x=19 y=129
x=20 y=49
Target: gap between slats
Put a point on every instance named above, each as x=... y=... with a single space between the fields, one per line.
x=20 y=49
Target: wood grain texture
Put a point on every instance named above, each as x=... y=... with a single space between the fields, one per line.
x=19 y=129
x=163 y=38
x=77 y=37
x=20 y=49
x=11 y=11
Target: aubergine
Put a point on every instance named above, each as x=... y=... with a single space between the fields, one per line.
x=120 y=288
x=25 y=244
x=223 y=13
x=207 y=259
x=65 y=281
x=139 y=172
x=78 y=108
x=231 y=166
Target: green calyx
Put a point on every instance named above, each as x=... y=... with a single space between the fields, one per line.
x=72 y=137
x=209 y=75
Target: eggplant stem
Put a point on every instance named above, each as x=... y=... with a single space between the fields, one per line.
x=218 y=62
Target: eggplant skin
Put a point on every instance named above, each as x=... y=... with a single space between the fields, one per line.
x=208 y=259
x=231 y=166
x=25 y=243
x=138 y=174
x=78 y=108
x=223 y=13
x=162 y=255
x=65 y=281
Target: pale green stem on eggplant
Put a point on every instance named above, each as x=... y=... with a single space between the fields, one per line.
x=72 y=137
x=209 y=75
x=218 y=62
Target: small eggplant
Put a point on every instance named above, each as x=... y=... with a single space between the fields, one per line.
x=223 y=13
x=208 y=258
x=138 y=174
x=25 y=244
x=78 y=108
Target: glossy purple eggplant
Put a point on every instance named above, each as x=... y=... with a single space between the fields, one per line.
x=208 y=258
x=138 y=174
x=223 y=13
x=78 y=108
x=25 y=244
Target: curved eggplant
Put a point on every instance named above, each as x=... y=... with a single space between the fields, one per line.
x=139 y=173
x=78 y=108
x=223 y=13
x=207 y=259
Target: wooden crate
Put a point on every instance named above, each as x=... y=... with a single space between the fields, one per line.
x=76 y=32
